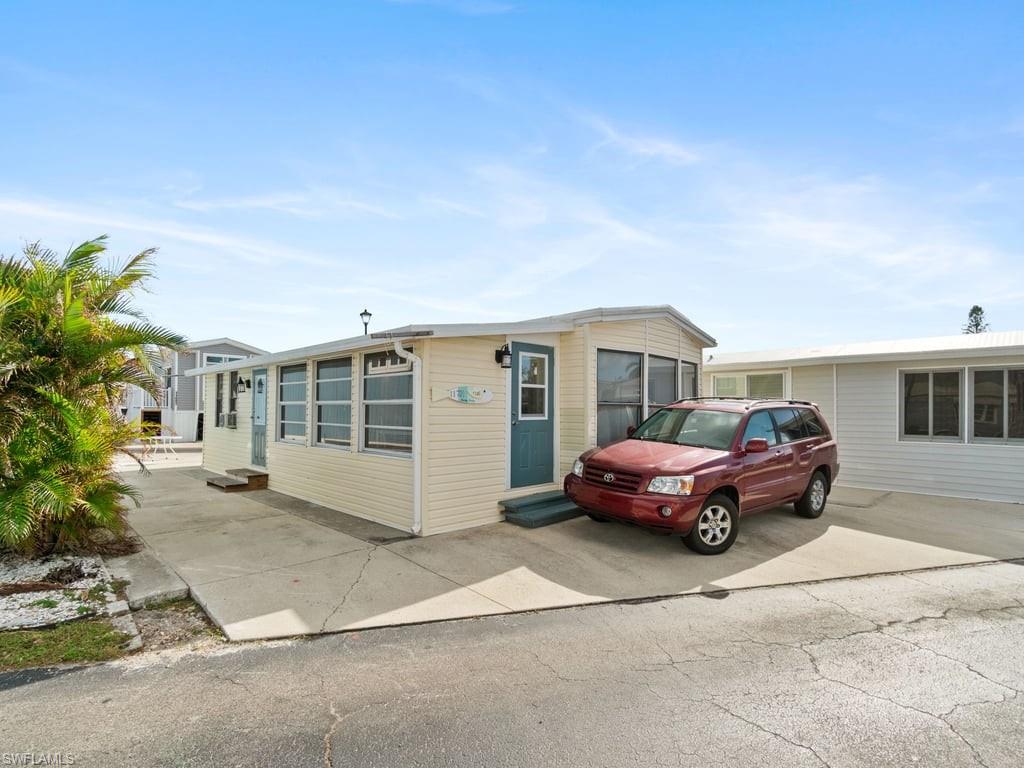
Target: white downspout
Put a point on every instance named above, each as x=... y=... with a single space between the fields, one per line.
x=417 y=399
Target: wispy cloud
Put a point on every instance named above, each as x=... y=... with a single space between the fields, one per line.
x=643 y=147
x=311 y=204
x=101 y=220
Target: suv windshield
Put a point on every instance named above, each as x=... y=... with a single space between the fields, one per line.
x=687 y=426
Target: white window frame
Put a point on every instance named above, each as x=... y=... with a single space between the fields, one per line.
x=278 y=421
x=315 y=410
x=361 y=423
x=901 y=405
x=1005 y=439
x=544 y=387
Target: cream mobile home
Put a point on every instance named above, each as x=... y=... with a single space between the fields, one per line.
x=429 y=428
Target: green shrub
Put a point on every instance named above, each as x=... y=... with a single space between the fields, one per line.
x=71 y=340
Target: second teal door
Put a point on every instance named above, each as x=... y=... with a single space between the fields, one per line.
x=532 y=415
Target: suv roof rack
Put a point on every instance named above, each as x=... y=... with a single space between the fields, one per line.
x=751 y=402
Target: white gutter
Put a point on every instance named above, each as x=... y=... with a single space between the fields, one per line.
x=417 y=437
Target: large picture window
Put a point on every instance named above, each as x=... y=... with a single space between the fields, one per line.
x=662 y=381
x=931 y=405
x=688 y=379
x=387 y=403
x=291 y=403
x=998 y=404
x=333 y=394
x=619 y=393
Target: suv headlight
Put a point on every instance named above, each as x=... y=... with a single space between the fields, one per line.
x=577 y=468
x=675 y=485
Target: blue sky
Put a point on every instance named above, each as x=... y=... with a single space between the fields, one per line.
x=783 y=173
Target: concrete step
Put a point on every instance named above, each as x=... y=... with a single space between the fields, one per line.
x=540 y=515
x=256 y=479
x=228 y=484
x=531 y=500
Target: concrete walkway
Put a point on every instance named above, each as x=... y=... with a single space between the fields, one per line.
x=265 y=565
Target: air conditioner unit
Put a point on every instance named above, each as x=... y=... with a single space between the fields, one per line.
x=222 y=420
x=232 y=421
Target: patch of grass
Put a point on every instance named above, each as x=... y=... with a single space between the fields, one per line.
x=46 y=602
x=97 y=592
x=73 y=642
x=83 y=609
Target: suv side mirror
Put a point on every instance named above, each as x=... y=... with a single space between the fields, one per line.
x=756 y=445
x=631 y=429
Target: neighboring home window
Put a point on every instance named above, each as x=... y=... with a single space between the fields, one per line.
x=766 y=386
x=334 y=402
x=218 y=403
x=662 y=378
x=291 y=402
x=998 y=410
x=387 y=403
x=619 y=393
x=689 y=379
x=233 y=392
x=727 y=386
x=930 y=404
x=757 y=386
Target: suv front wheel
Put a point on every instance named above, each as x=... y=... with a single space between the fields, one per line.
x=812 y=503
x=716 y=528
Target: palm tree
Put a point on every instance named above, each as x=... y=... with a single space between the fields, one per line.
x=71 y=339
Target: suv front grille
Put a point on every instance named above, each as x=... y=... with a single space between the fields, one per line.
x=620 y=481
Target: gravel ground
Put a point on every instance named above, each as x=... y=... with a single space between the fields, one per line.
x=85 y=590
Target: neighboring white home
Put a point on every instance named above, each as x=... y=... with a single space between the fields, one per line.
x=428 y=428
x=180 y=408
x=941 y=416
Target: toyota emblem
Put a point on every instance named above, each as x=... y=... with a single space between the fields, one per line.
x=608 y=477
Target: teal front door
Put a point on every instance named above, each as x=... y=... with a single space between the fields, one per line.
x=532 y=415
x=259 y=417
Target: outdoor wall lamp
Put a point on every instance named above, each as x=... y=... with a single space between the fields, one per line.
x=503 y=356
x=242 y=385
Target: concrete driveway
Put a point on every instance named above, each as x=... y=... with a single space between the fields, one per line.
x=265 y=565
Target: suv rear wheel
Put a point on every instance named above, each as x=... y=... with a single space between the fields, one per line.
x=716 y=528
x=812 y=503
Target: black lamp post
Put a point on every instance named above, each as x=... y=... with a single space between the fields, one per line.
x=365 y=316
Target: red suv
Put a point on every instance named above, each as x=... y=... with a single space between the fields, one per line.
x=695 y=467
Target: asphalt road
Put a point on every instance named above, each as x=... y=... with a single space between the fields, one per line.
x=921 y=669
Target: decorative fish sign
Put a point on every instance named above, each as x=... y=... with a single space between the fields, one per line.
x=464 y=393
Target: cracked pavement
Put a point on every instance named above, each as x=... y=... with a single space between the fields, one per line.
x=922 y=669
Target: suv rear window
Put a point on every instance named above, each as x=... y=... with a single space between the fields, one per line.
x=812 y=424
x=790 y=424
